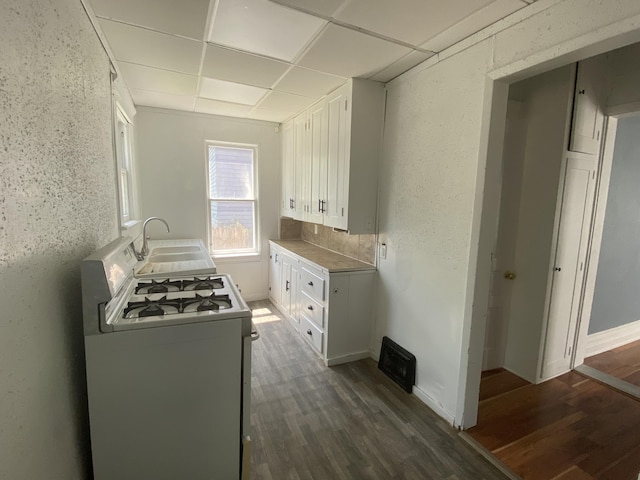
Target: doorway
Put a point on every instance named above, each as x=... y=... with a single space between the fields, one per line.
x=528 y=331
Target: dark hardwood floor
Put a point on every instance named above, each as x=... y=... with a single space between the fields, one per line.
x=622 y=362
x=570 y=427
x=345 y=422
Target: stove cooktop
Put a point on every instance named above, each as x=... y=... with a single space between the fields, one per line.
x=180 y=300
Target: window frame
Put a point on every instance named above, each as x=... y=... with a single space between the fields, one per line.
x=125 y=167
x=247 y=253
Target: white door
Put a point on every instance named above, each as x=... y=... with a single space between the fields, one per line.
x=504 y=254
x=570 y=261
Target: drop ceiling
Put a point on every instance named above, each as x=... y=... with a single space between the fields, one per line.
x=268 y=60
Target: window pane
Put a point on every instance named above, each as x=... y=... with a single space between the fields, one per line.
x=230 y=172
x=232 y=225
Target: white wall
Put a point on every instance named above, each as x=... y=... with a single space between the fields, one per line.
x=57 y=205
x=433 y=185
x=172 y=174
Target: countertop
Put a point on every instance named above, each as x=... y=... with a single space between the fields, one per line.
x=203 y=265
x=326 y=260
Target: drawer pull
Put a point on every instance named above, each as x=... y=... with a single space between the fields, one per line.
x=309 y=332
x=310 y=307
x=286 y=286
x=310 y=284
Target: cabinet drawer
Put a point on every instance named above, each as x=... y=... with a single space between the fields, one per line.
x=312 y=284
x=312 y=333
x=313 y=310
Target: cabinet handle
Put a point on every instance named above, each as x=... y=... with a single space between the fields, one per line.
x=322 y=209
x=310 y=307
x=286 y=285
x=310 y=284
x=309 y=332
x=319 y=205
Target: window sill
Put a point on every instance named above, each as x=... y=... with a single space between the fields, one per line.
x=129 y=225
x=237 y=258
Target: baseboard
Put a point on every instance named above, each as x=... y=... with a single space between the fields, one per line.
x=433 y=404
x=352 y=357
x=616 y=383
x=490 y=457
x=615 y=337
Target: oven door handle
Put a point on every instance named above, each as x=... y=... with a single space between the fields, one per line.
x=255 y=335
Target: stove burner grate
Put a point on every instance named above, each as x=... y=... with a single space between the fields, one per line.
x=165 y=286
x=205 y=303
x=208 y=283
x=152 y=308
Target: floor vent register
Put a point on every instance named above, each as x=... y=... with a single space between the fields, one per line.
x=398 y=364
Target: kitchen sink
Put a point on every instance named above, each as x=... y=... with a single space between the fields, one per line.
x=166 y=250
x=175 y=257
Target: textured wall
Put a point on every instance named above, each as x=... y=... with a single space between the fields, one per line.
x=615 y=299
x=57 y=204
x=426 y=200
x=173 y=175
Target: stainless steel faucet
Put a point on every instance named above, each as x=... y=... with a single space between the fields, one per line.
x=145 y=247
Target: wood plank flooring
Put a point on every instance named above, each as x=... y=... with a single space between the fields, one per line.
x=622 y=362
x=569 y=427
x=345 y=422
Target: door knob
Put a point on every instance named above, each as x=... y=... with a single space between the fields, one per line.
x=509 y=275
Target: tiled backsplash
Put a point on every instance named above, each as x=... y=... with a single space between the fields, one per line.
x=360 y=247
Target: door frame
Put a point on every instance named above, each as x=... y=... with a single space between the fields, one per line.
x=597 y=227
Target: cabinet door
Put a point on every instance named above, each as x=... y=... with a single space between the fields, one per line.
x=339 y=116
x=288 y=170
x=588 y=118
x=301 y=155
x=288 y=289
x=318 y=137
x=569 y=263
x=275 y=276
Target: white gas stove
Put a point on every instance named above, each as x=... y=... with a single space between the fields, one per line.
x=168 y=371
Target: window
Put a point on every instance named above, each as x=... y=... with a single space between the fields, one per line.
x=232 y=200
x=125 y=166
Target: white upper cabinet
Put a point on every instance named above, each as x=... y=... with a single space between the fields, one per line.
x=318 y=139
x=288 y=170
x=301 y=153
x=337 y=144
x=588 y=117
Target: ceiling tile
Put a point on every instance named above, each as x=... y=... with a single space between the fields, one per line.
x=268 y=115
x=235 y=66
x=162 y=100
x=411 y=21
x=157 y=80
x=263 y=27
x=347 y=53
x=230 y=91
x=145 y=47
x=324 y=8
x=401 y=66
x=215 y=107
x=472 y=24
x=309 y=83
x=180 y=17
x=280 y=101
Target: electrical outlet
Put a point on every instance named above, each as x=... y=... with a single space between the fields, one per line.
x=383 y=250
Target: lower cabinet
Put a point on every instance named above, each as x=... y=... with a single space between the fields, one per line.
x=332 y=311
